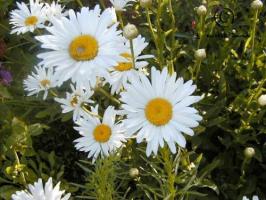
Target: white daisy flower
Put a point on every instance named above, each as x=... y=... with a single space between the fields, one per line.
x=82 y=46
x=43 y=80
x=124 y=71
x=27 y=19
x=100 y=137
x=253 y=198
x=75 y=101
x=160 y=110
x=54 y=10
x=120 y=5
x=39 y=192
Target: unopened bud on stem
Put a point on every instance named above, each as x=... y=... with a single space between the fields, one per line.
x=256 y=4
x=201 y=10
x=200 y=54
x=134 y=172
x=249 y=152
x=130 y=31
x=262 y=100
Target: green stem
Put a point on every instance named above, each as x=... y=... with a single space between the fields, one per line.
x=153 y=36
x=169 y=169
x=102 y=4
x=201 y=31
x=196 y=70
x=79 y=3
x=53 y=93
x=21 y=102
x=91 y=113
x=253 y=35
x=102 y=91
x=4 y=27
x=173 y=41
x=120 y=18
x=160 y=36
x=132 y=53
x=22 y=173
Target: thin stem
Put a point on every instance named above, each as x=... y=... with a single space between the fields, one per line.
x=169 y=169
x=173 y=41
x=22 y=173
x=153 y=35
x=91 y=113
x=132 y=54
x=53 y=93
x=102 y=4
x=102 y=91
x=201 y=31
x=196 y=69
x=160 y=33
x=120 y=18
x=253 y=35
x=79 y=3
x=4 y=27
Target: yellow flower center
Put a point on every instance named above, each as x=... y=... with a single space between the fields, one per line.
x=31 y=21
x=125 y=66
x=83 y=48
x=102 y=133
x=45 y=83
x=74 y=101
x=159 y=111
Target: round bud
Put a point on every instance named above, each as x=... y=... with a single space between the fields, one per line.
x=256 y=4
x=134 y=172
x=262 y=100
x=200 y=54
x=145 y=3
x=249 y=152
x=201 y=10
x=130 y=31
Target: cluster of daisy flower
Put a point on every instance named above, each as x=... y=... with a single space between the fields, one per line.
x=88 y=49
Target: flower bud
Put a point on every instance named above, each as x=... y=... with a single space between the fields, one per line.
x=200 y=54
x=134 y=172
x=249 y=152
x=145 y=3
x=201 y=10
x=130 y=31
x=262 y=100
x=256 y=4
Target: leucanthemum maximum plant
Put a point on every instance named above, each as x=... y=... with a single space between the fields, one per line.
x=159 y=110
x=76 y=101
x=124 y=71
x=39 y=192
x=100 y=137
x=83 y=46
x=41 y=80
x=25 y=19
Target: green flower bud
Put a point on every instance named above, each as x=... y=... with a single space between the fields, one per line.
x=249 y=152
x=134 y=172
x=130 y=31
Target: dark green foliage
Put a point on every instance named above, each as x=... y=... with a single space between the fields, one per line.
x=36 y=139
